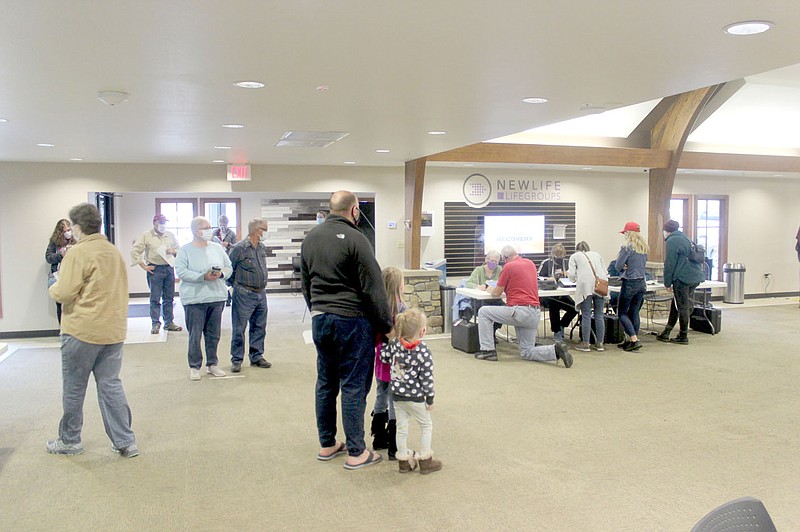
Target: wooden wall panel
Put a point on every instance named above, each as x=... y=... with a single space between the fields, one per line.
x=463 y=231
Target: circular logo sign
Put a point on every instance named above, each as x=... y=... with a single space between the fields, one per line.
x=477 y=190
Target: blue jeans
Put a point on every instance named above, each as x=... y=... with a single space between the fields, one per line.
x=595 y=303
x=346 y=360
x=162 y=293
x=248 y=308
x=78 y=360
x=383 y=398
x=631 y=297
x=203 y=320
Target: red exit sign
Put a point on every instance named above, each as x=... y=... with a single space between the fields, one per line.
x=238 y=172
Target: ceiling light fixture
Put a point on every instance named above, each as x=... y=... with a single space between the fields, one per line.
x=217 y=161
x=233 y=126
x=535 y=99
x=437 y=132
x=45 y=145
x=593 y=109
x=222 y=147
x=349 y=162
x=3 y=120
x=322 y=88
x=249 y=84
x=112 y=98
x=382 y=150
x=748 y=27
x=75 y=159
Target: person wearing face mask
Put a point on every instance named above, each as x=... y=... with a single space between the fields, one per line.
x=249 y=264
x=153 y=252
x=226 y=237
x=60 y=242
x=486 y=273
x=343 y=287
x=681 y=277
x=202 y=266
x=556 y=267
x=320 y=217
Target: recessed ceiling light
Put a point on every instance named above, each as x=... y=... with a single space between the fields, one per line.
x=437 y=132
x=382 y=150
x=748 y=27
x=217 y=161
x=249 y=84
x=233 y=126
x=45 y=145
x=535 y=99
x=349 y=162
x=323 y=88
x=75 y=159
x=222 y=147
x=586 y=168
x=3 y=120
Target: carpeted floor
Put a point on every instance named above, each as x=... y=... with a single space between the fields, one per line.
x=646 y=441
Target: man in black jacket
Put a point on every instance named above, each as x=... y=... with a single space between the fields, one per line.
x=343 y=287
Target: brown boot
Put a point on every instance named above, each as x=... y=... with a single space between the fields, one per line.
x=408 y=465
x=429 y=465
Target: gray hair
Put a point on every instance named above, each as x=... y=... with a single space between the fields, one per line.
x=508 y=252
x=492 y=255
x=253 y=224
x=87 y=216
x=197 y=221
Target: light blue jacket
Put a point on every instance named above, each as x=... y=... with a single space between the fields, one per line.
x=192 y=263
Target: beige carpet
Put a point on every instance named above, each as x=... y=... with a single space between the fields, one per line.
x=644 y=441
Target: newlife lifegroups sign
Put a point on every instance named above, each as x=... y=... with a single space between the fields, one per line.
x=480 y=190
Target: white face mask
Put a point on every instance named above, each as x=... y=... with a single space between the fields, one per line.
x=320 y=220
x=67 y=234
x=160 y=228
x=263 y=237
x=207 y=234
x=665 y=234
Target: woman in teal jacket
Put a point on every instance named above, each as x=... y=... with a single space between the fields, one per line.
x=681 y=277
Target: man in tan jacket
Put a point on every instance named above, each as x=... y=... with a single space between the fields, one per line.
x=93 y=291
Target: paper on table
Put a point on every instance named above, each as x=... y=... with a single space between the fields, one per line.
x=162 y=250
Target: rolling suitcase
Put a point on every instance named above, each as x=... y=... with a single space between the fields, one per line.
x=614 y=331
x=464 y=336
x=706 y=320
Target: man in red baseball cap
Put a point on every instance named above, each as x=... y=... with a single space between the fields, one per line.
x=153 y=252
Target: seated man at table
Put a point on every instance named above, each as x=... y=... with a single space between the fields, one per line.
x=520 y=283
x=556 y=268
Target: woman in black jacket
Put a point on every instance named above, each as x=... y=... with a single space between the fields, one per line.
x=60 y=242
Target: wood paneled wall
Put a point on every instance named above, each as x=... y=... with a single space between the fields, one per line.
x=463 y=231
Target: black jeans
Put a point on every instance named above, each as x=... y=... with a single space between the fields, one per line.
x=681 y=307
x=554 y=306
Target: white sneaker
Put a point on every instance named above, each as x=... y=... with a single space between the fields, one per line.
x=194 y=374
x=215 y=371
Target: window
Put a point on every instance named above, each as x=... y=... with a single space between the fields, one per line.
x=179 y=213
x=213 y=208
x=704 y=219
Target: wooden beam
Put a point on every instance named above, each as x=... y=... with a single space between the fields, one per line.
x=670 y=134
x=488 y=152
x=739 y=162
x=414 y=186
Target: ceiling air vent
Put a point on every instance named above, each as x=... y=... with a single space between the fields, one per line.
x=309 y=139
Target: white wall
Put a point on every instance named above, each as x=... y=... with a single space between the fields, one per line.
x=33 y=196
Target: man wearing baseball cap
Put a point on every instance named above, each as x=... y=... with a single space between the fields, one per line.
x=153 y=252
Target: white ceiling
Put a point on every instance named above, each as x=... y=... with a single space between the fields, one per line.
x=394 y=71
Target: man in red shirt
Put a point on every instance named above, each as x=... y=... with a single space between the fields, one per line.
x=519 y=280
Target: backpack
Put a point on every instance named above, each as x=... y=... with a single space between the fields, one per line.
x=697 y=254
